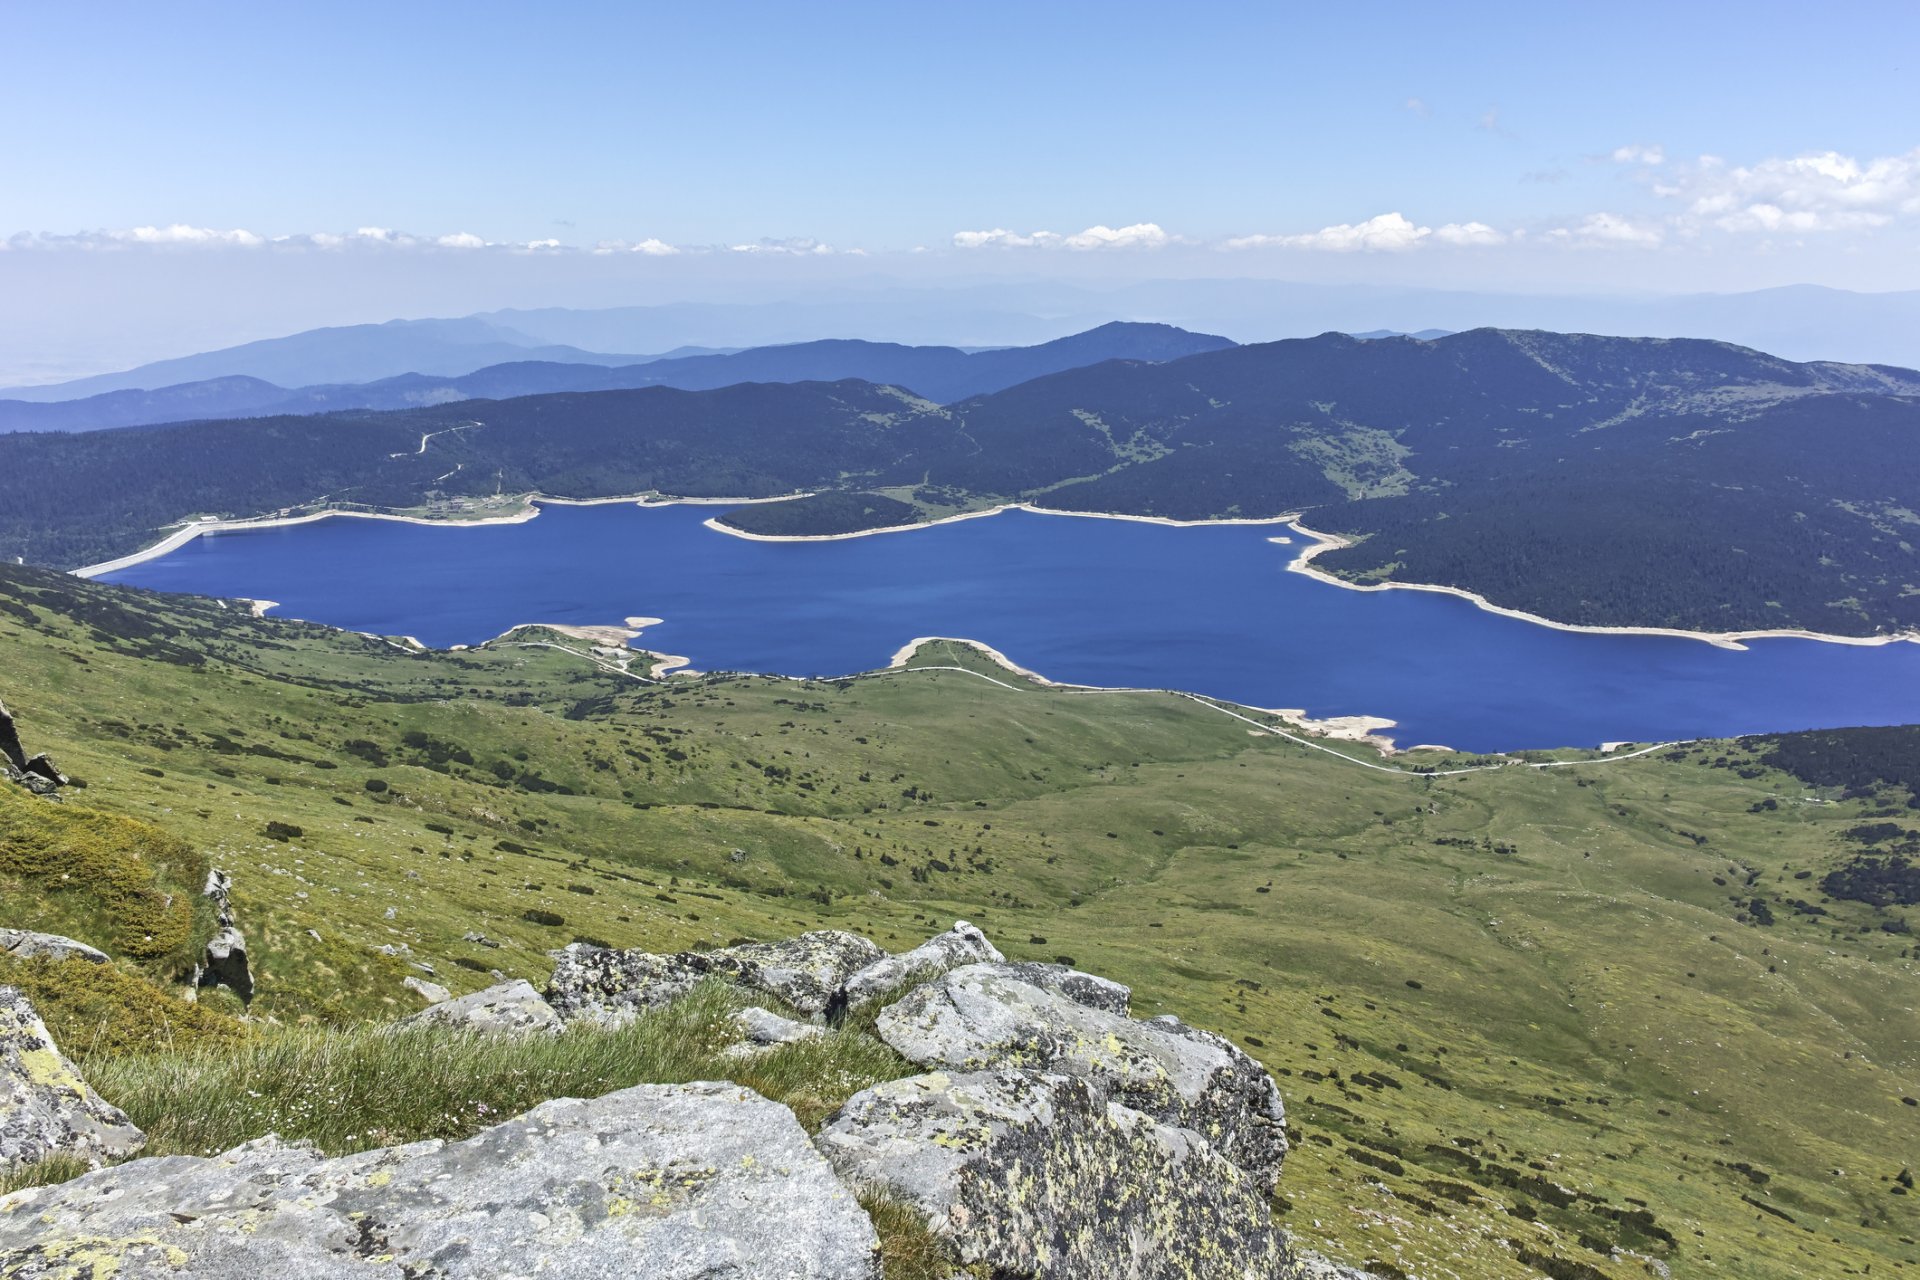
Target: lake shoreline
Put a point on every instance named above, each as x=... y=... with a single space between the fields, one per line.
x=1302 y=562
x=1362 y=729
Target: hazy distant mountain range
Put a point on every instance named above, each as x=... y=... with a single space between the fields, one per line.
x=941 y=374
x=1800 y=322
x=1593 y=480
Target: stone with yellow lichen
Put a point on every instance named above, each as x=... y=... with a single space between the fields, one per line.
x=46 y=1108
x=671 y=1182
x=1036 y=1176
x=986 y=1017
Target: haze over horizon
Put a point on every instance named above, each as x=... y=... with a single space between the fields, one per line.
x=211 y=182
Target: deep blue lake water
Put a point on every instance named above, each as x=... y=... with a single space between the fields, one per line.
x=1106 y=602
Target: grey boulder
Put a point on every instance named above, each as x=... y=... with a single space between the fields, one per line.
x=46 y=1108
x=806 y=972
x=672 y=1182
x=431 y=992
x=961 y=945
x=981 y=1017
x=1089 y=989
x=25 y=945
x=512 y=1008
x=1033 y=1175
x=762 y=1029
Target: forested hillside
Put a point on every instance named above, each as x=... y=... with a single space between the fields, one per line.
x=1591 y=480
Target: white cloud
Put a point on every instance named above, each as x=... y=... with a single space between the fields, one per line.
x=461 y=240
x=1637 y=154
x=179 y=233
x=1598 y=229
x=1468 y=233
x=800 y=245
x=1816 y=192
x=1001 y=238
x=1419 y=107
x=1383 y=233
x=1138 y=235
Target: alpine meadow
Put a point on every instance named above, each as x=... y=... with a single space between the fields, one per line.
x=1029 y=645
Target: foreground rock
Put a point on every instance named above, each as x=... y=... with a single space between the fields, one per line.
x=24 y=945
x=38 y=773
x=1089 y=989
x=46 y=1109
x=670 y=1182
x=805 y=972
x=984 y=1017
x=761 y=1030
x=512 y=1008
x=1036 y=1175
x=961 y=945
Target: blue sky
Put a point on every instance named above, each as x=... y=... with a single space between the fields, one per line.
x=1518 y=146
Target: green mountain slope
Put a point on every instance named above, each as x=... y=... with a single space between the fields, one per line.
x=1519 y=1014
x=1592 y=480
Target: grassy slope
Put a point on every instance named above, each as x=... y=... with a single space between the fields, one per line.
x=1588 y=1011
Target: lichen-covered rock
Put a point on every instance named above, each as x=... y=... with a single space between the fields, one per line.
x=961 y=945
x=670 y=1182
x=1036 y=1175
x=24 y=945
x=806 y=972
x=981 y=1017
x=511 y=1008
x=762 y=1029
x=1089 y=989
x=46 y=1108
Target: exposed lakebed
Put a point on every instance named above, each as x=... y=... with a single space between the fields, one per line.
x=1211 y=609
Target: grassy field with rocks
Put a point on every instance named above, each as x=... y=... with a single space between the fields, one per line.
x=1526 y=1020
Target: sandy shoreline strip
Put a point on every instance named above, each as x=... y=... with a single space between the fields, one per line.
x=529 y=510
x=1320 y=543
x=1324 y=542
x=1361 y=729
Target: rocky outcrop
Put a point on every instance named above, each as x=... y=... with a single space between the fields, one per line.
x=224 y=963
x=1089 y=989
x=982 y=1017
x=961 y=945
x=512 y=1008
x=36 y=773
x=46 y=1108
x=806 y=972
x=1053 y=1137
x=24 y=945
x=1036 y=1176
x=671 y=1182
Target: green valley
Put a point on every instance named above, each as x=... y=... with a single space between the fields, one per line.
x=1522 y=1016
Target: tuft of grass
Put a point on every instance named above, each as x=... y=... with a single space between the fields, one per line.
x=352 y=1088
x=816 y=1077
x=42 y=1173
x=908 y=1248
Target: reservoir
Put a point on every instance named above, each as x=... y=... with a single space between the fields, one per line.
x=1210 y=609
